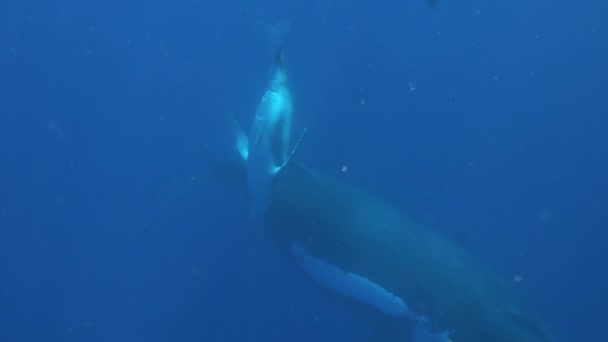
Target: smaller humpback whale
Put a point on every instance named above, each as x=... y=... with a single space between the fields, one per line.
x=265 y=149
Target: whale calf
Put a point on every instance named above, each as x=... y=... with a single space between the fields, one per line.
x=265 y=149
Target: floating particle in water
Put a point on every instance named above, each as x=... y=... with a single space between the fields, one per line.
x=412 y=85
x=518 y=279
x=344 y=168
x=545 y=215
x=57 y=131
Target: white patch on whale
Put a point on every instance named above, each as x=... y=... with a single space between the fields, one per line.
x=350 y=284
x=361 y=288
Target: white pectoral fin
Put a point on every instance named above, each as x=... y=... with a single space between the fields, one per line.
x=242 y=145
x=242 y=142
x=351 y=285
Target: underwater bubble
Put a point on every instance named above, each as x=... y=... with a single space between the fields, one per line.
x=412 y=85
x=545 y=215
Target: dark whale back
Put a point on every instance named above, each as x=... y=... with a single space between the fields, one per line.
x=359 y=234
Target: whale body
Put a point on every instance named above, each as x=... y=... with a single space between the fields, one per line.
x=265 y=149
x=405 y=279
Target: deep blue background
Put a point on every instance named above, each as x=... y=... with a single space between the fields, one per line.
x=487 y=121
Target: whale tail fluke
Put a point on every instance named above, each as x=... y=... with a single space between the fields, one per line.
x=277 y=35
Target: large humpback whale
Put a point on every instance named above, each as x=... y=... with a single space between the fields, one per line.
x=402 y=277
x=408 y=281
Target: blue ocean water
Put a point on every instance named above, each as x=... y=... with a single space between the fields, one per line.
x=487 y=121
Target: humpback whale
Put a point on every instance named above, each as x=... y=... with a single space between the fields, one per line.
x=264 y=150
x=408 y=281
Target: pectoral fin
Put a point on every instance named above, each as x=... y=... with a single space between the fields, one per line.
x=242 y=142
